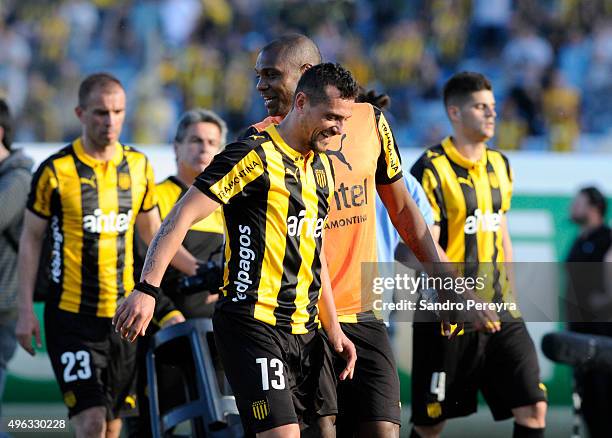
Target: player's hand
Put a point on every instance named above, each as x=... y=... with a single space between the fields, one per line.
x=346 y=349
x=133 y=315
x=177 y=319
x=484 y=320
x=28 y=326
x=451 y=329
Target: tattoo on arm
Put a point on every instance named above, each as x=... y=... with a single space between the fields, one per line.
x=167 y=226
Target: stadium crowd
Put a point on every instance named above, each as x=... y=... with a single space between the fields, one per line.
x=550 y=61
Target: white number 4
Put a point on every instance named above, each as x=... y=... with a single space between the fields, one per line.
x=70 y=359
x=276 y=365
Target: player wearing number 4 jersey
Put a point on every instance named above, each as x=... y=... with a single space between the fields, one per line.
x=88 y=197
x=470 y=187
x=275 y=188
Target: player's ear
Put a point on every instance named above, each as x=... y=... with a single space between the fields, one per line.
x=304 y=67
x=453 y=113
x=78 y=111
x=300 y=101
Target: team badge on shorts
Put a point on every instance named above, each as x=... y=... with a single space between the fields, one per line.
x=434 y=410
x=261 y=409
x=124 y=181
x=321 y=178
x=70 y=399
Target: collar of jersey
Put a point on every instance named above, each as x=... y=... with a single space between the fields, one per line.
x=452 y=153
x=93 y=162
x=278 y=140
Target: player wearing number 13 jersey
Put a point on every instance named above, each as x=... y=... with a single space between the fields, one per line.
x=366 y=160
x=275 y=189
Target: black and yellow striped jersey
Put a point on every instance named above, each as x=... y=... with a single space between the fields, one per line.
x=275 y=204
x=469 y=200
x=91 y=206
x=204 y=240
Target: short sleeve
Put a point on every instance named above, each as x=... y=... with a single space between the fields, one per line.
x=150 y=198
x=389 y=165
x=44 y=184
x=424 y=171
x=231 y=171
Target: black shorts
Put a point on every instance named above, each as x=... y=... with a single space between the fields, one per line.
x=274 y=375
x=92 y=364
x=374 y=393
x=447 y=374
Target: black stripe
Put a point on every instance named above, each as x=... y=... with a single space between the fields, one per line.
x=471 y=204
x=497 y=202
x=315 y=286
x=55 y=257
x=251 y=212
x=124 y=201
x=291 y=265
x=90 y=282
x=495 y=191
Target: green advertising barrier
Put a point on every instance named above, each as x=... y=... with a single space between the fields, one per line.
x=539 y=226
x=547 y=238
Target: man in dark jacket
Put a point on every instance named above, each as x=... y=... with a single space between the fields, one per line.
x=14 y=185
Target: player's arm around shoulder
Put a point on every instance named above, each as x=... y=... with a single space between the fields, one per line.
x=134 y=314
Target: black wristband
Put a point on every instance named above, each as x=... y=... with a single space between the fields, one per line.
x=148 y=289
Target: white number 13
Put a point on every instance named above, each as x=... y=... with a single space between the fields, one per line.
x=276 y=365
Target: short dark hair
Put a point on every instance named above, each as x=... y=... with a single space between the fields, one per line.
x=461 y=85
x=596 y=199
x=93 y=81
x=6 y=124
x=314 y=81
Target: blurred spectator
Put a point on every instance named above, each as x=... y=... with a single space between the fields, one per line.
x=14 y=61
x=526 y=56
x=511 y=127
x=403 y=47
x=560 y=106
x=489 y=26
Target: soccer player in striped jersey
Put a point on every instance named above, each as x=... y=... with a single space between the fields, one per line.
x=366 y=161
x=470 y=187
x=276 y=188
x=88 y=197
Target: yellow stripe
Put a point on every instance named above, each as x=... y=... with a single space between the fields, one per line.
x=169 y=316
x=137 y=164
x=276 y=237
x=150 y=198
x=455 y=207
x=107 y=242
x=167 y=195
x=72 y=230
x=244 y=172
x=352 y=318
x=430 y=184
x=44 y=188
x=307 y=252
x=228 y=257
x=391 y=157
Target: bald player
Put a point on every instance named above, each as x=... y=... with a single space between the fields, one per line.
x=365 y=159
